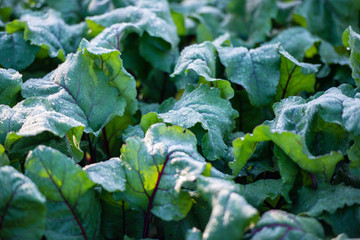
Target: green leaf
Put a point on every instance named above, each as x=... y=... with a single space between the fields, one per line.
x=288 y=171
x=260 y=162
x=354 y=155
x=151 y=21
x=250 y=20
x=204 y=105
x=209 y=19
x=15 y=52
x=72 y=89
x=249 y=116
x=198 y=58
x=300 y=43
x=113 y=134
x=177 y=230
x=199 y=18
x=351 y=40
x=330 y=55
x=179 y=21
x=199 y=62
x=118 y=219
x=110 y=174
x=5 y=13
x=14 y=7
x=292 y=144
x=344 y=220
x=73 y=209
x=4 y=160
x=147 y=120
x=320 y=120
x=257 y=70
x=162 y=52
x=132 y=131
x=316 y=128
x=79 y=8
x=316 y=202
x=158 y=52
x=231 y=214
x=18 y=146
x=295 y=76
x=22 y=206
x=32 y=117
x=73 y=139
x=277 y=224
x=156 y=167
x=256 y=193
x=49 y=31
x=285 y=12
x=154 y=18
x=328 y=18
x=10 y=86
x=297 y=41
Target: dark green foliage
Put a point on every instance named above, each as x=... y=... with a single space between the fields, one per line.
x=179 y=119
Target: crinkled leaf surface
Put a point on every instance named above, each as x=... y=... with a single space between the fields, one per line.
x=15 y=52
x=301 y=117
x=22 y=206
x=32 y=117
x=197 y=63
x=73 y=211
x=325 y=118
x=319 y=125
x=199 y=58
x=157 y=166
x=19 y=143
x=257 y=70
x=10 y=86
x=112 y=65
x=205 y=106
x=49 y=31
x=277 y=224
x=152 y=17
x=91 y=87
x=292 y=144
x=231 y=214
x=110 y=174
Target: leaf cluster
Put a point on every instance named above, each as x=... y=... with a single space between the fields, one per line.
x=179 y=119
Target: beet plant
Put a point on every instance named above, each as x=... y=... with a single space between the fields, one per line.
x=179 y=119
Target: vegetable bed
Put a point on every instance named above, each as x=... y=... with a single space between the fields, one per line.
x=170 y=119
